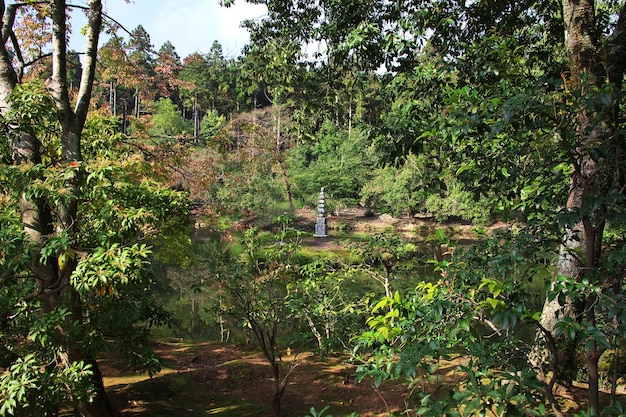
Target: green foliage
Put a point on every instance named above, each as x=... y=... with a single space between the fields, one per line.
x=168 y=121
x=211 y=125
x=33 y=112
x=336 y=162
x=326 y=300
x=258 y=290
x=249 y=169
x=467 y=318
x=103 y=257
x=30 y=386
x=477 y=111
x=210 y=82
x=455 y=201
x=248 y=192
x=383 y=257
x=397 y=190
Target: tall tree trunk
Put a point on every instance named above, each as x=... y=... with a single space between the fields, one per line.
x=591 y=177
x=195 y=116
x=137 y=104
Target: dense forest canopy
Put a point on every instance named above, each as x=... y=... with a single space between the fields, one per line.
x=482 y=111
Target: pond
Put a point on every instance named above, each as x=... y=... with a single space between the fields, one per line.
x=200 y=308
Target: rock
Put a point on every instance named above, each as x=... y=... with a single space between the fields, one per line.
x=385 y=217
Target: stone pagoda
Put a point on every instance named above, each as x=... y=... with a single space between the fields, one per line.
x=321 y=229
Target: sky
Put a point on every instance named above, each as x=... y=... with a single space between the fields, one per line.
x=190 y=25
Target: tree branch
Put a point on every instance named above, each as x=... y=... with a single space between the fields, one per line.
x=57 y=83
x=89 y=62
x=8 y=19
x=117 y=23
x=549 y=388
x=8 y=78
x=18 y=55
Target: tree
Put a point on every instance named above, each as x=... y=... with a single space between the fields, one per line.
x=114 y=72
x=469 y=311
x=519 y=101
x=259 y=293
x=216 y=77
x=210 y=126
x=66 y=261
x=597 y=181
x=400 y=190
x=34 y=31
x=386 y=250
x=141 y=51
x=141 y=57
x=53 y=278
x=325 y=300
x=210 y=83
x=167 y=68
x=167 y=120
x=252 y=179
x=335 y=161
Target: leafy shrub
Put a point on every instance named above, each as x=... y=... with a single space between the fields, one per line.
x=457 y=202
x=211 y=125
x=396 y=190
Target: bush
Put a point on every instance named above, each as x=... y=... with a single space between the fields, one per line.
x=396 y=190
x=456 y=202
x=210 y=126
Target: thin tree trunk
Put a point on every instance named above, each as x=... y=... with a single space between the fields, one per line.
x=350 y=119
x=195 y=115
x=316 y=333
x=567 y=266
x=137 y=104
x=592 y=356
x=276 y=400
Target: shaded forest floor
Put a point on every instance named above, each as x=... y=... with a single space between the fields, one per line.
x=202 y=379
x=228 y=380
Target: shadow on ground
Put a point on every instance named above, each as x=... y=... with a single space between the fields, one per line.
x=232 y=381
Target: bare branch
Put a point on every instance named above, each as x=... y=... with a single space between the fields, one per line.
x=104 y=15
